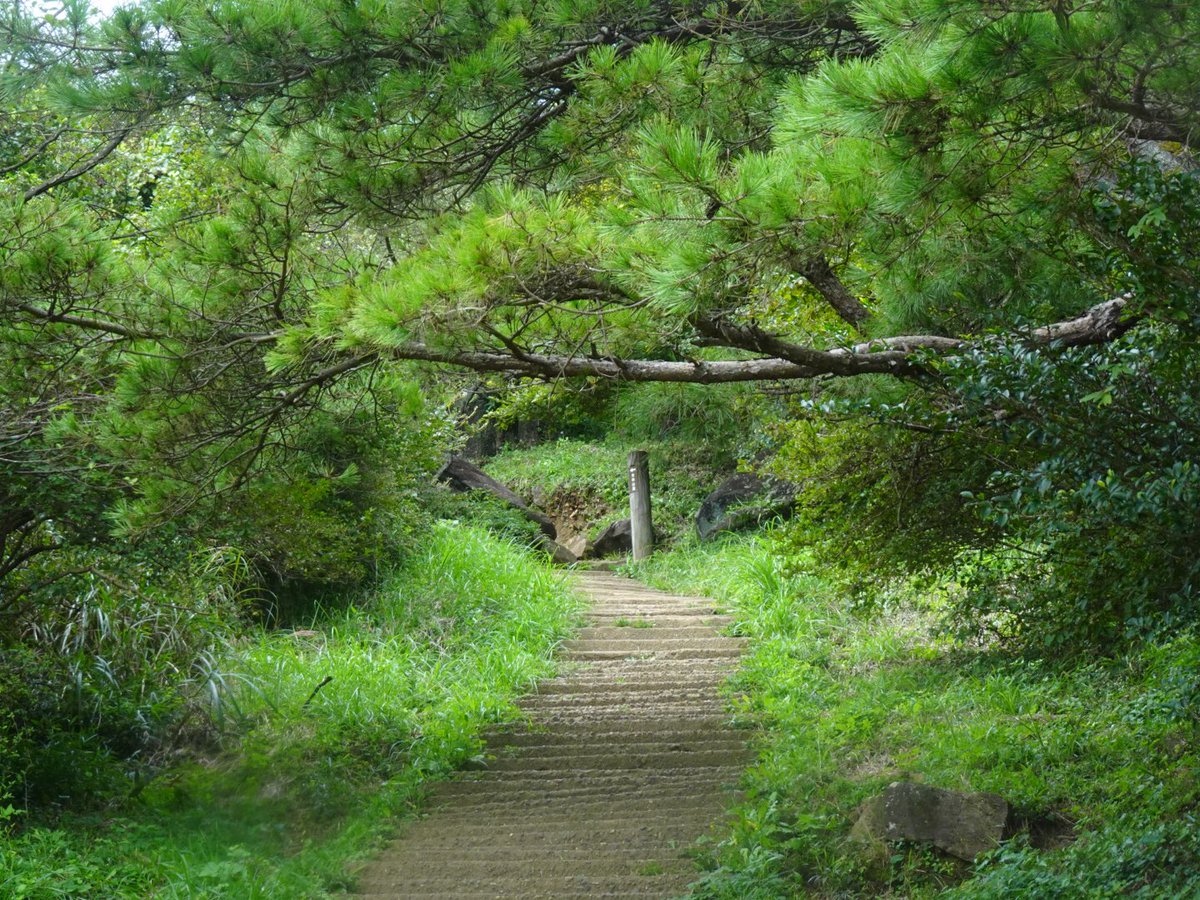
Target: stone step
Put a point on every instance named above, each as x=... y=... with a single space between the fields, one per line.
x=525 y=891
x=634 y=695
x=624 y=633
x=634 y=683
x=684 y=653
x=698 y=759
x=490 y=835
x=573 y=751
x=469 y=870
x=580 y=795
x=685 y=732
x=618 y=766
x=664 y=641
x=566 y=808
x=673 y=619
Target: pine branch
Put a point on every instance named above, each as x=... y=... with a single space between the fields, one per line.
x=83 y=168
x=787 y=361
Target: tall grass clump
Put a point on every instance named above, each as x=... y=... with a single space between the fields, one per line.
x=326 y=733
x=106 y=677
x=402 y=682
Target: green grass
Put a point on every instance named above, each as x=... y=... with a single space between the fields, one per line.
x=679 y=478
x=1101 y=757
x=565 y=462
x=302 y=783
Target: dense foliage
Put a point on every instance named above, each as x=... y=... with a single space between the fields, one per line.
x=1060 y=488
x=263 y=202
x=932 y=261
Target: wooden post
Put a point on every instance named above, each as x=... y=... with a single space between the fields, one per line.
x=639 y=504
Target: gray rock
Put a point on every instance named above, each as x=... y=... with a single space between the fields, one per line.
x=461 y=475
x=558 y=553
x=579 y=545
x=616 y=538
x=963 y=825
x=725 y=508
x=484 y=438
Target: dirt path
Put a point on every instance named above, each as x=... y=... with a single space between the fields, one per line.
x=628 y=758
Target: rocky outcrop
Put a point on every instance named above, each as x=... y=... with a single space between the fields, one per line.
x=743 y=501
x=484 y=437
x=963 y=825
x=461 y=475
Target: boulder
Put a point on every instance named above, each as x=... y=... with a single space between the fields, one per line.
x=461 y=475
x=471 y=409
x=558 y=553
x=616 y=538
x=729 y=507
x=579 y=545
x=484 y=438
x=963 y=825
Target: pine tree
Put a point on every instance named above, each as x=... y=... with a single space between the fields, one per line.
x=691 y=191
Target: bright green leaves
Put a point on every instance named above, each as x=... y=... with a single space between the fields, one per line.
x=952 y=157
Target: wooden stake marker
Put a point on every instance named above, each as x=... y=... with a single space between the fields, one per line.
x=641 y=526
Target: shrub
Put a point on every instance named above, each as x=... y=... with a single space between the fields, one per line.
x=485 y=511
x=104 y=674
x=1060 y=484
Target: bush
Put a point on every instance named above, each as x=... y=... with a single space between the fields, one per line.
x=1127 y=858
x=482 y=510
x=104 y=675
x=877 y=501
x=1105 y=518
x=1060 y=485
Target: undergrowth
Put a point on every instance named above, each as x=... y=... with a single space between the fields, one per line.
x=1097 y=759
x=328 y=733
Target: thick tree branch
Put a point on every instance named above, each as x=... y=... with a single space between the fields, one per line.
x=87 y=324
x=865 y=359
x=1104 y=322
x=785 y=360
x=541 y=365
x=781 y=360
x=1151 y=123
